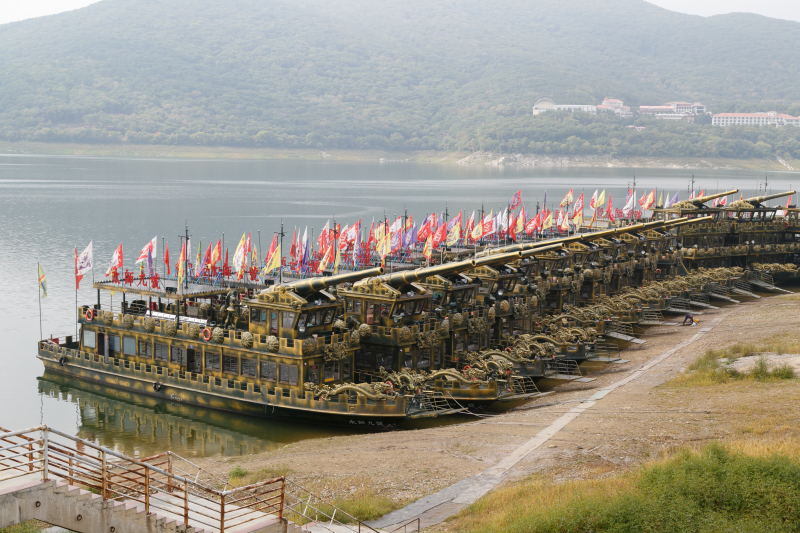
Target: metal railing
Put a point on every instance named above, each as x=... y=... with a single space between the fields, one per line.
x=150 y=482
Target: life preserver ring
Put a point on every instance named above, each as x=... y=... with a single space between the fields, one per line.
x=156 y=386
x=206 y=334
x=658 y=271
x=89 y=315
x=62 y=361
x=391 y=385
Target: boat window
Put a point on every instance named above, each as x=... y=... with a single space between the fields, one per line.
x=145 y=349
x=161 y=352
x=424 y=356
x=269 y=370
x=458 y=341
x=89 y=339
x=357 y=306
x=370 y=313
x=313 y=319
x=258 y=315
x=288 y=320
x=288 y=374
x=421 y=305
x=212 y=361
x=345 y=369
x=385 y=308
x=437 y=297
x=302 y=321
x=408 y=359
x=328 y=316
x=331 y=371
x=249 y=367
x=364 y=358
x=384 y=359
x=230 y=364
x=129 y=345
x=273 y=323
x=113 y=343
x=177 y=355
x=409 y=308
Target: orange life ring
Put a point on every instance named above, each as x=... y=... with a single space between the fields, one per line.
x=658 y=271
x=206 y=334
x=89 y=315
x=391 y=385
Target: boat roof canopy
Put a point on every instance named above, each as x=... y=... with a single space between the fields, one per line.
x=169 y=288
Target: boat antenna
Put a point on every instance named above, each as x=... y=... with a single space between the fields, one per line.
x=280 y=266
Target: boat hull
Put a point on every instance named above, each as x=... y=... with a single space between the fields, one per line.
x=316 y=413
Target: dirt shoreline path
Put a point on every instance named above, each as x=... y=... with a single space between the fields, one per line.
x=438 y=507
x=637 y=421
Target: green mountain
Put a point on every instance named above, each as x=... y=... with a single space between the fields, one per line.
x=410 y=74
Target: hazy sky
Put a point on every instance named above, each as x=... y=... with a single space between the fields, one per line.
x=786 y=9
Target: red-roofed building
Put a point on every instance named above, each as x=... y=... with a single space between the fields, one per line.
x=770 y=118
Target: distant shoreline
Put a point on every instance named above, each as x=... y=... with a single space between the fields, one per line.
x=425 y=156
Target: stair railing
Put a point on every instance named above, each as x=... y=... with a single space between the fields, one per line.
x=149 y=483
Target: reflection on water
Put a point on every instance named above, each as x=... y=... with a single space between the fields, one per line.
x=142 y=425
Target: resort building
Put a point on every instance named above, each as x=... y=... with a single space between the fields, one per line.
x=770 y=118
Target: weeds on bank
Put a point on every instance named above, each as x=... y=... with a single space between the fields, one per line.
x=364 y=504
x=31 y=526
x=717 y=488
x=241 y=477
x=708 y=369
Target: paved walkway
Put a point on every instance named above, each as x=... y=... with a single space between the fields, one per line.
x=439 y=506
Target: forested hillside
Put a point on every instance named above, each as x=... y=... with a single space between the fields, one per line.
x=394 y=74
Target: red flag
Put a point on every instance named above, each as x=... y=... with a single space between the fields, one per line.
x=272 y=248
x=166 y=257
x=470 y=227
x=610 y=210
x=409 y=222
x=77 y=277
x=511 y=227
x=371 y=237
x=533 y=224
x=516 y=200
x=226 y=258
x=440 y=235
x=292 y=250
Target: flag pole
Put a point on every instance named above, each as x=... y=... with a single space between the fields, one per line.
x=76 y=293
x=39 y=284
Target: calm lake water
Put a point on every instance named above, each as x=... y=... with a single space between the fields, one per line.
x=50 y=205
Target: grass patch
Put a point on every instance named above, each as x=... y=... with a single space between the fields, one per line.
x=237 y=473
x=715 y=489
x=708 y=369
x=31 y=526
x=366 y=505
x=240 y=477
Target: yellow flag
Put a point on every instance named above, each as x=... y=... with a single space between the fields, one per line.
x=454 y=235
x=660 y=199
x=379 y=232
x=477 y=231
x=548 y=222
x=338 y=261
x=520 y=227
x=601 y=199
x=326 y=258
x=428 y=250
x=577 y=219
x=274 y=261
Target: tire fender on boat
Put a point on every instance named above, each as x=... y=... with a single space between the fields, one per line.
x=89 y=315
x=156 y=386
x=62 y=361
x=206 y=334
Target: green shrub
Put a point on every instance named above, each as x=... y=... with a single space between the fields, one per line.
x=237 y=472
x=714 y=490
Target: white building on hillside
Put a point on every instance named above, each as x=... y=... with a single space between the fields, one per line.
x=771 y=118
x=673 y=110
x=546 y=104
